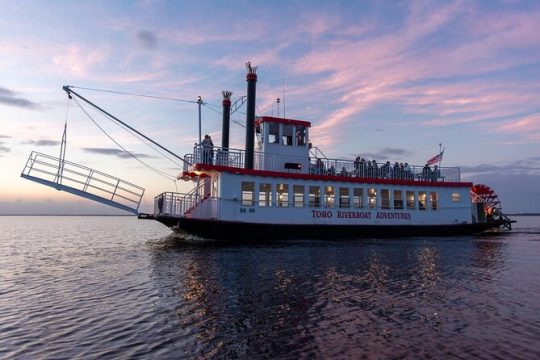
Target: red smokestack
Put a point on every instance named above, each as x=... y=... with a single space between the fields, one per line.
x=251 y=79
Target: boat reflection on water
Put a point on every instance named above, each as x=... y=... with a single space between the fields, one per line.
x=315 y=298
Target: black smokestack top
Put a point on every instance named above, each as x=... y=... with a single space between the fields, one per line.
x=226 y=119
x=251 y=79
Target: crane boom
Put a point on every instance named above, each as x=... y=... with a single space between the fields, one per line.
x=70 y=92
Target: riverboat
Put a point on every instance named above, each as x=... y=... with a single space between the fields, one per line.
x=282 y=187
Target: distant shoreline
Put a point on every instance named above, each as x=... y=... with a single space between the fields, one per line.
x=517 y=214
x=524 y=214
x=64 y=215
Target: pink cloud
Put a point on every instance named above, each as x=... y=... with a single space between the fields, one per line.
x=383 y=69
x=77 y=60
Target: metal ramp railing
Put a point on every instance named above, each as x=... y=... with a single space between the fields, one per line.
x=83 y=181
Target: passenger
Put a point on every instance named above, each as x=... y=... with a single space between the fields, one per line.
x=332 y=170
x=363 y=168
x=343 y=172
x=375 y=169
x=319 y=167
x=401 y=171
x=357 y=166
x=436 y=174
x=395 y=171
x=426 y=173
x=408 y=172
x=385 y=170
x=208 y=149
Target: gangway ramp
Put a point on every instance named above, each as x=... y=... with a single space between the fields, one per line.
x=83 y=181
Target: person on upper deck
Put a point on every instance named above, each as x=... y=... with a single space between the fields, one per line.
x=363 y=168
x=436 y=174
x=207 y=149
x=357 y=166
x=385 y=170
x=426 y=173
x=396 y=173
x=375 y=169
x=408 y=172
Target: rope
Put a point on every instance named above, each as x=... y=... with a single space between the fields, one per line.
x=146 y=142
x=135 y=94
x=208 y=105
x=219 y=112
x=159 y=172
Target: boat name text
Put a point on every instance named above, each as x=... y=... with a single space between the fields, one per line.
x=328 y=214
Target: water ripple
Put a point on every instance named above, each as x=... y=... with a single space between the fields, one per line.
x=99 y=288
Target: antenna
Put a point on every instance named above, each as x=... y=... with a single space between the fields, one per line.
x=283 y=78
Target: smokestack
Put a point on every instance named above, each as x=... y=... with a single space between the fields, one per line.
x=226 y=119
x=251 y=79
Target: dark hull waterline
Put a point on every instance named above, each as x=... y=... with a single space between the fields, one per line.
x=243 y=231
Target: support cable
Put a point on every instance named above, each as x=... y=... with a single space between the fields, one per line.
x=133 y=94
x=142 y=139
x=219 y=112
x=70 y=91
x=165 y=175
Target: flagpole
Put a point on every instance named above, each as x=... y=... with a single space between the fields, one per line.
x=440 y=154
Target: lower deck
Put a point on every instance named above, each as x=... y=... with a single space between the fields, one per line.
x=227 y=204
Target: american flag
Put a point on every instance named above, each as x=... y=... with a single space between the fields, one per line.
x=436 y=159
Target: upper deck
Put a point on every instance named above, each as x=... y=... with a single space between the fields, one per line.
x=284 y=149
x=319 y=166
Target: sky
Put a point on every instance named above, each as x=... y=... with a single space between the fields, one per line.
x=387 y=80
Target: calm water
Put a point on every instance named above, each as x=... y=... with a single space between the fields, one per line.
x=117 y=287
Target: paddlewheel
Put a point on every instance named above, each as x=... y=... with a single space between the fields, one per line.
x=483 y=194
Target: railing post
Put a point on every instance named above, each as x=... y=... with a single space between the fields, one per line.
x=88 y=179
x=34 y=158
x=116 y=187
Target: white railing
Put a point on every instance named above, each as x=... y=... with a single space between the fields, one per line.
x=83 y=181
x=186 y=205
x=322 y=166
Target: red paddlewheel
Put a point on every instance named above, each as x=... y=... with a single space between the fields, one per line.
x=484 y=194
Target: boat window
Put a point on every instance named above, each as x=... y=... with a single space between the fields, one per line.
x=214 y=187
x=298 y=194
x=300 y=135
x=398 y=199
x=329 y=196
x=372 y=198
x=314 y=196
x=247 y=193
x=273 y=133
x=358 y=198
x=434 y=200
x=259 y=134
x=411 y=203
x=283 y=195
x=287 y=135
x=385 y=198
x=422 y=200
x=456 y=197
x=344 y=201
x=265 y=194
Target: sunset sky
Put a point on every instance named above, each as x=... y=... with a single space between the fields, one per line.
x=388 y=80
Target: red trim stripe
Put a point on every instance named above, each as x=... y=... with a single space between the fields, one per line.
x=272 y=119
x=344 y=179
